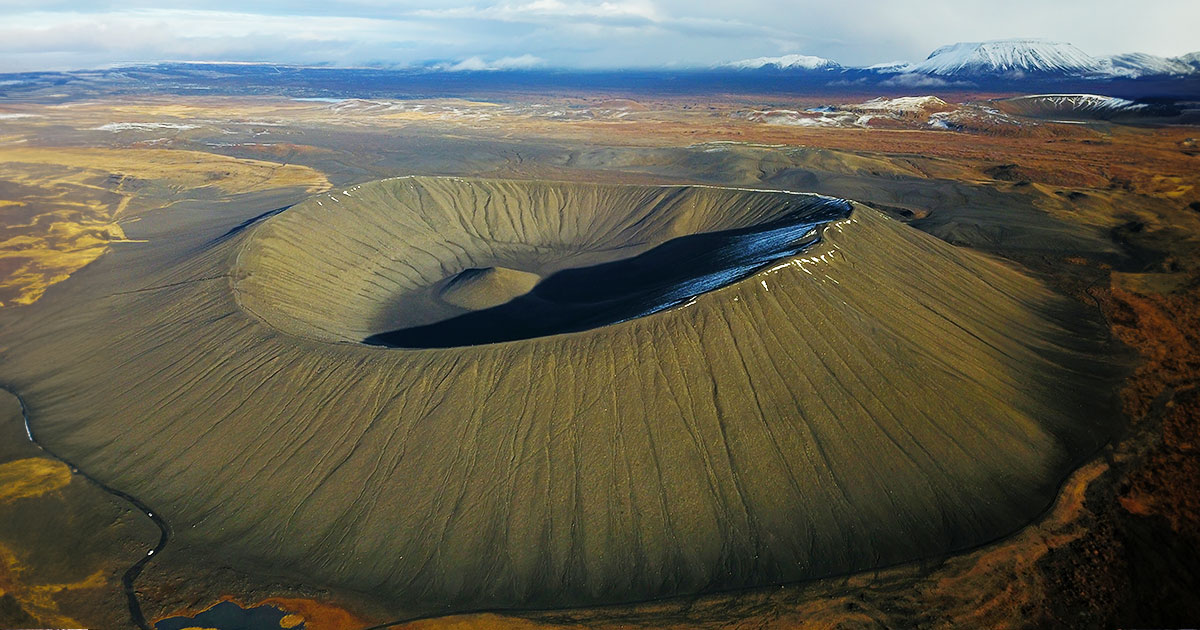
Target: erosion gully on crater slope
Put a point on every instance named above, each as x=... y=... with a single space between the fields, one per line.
x=880 y=397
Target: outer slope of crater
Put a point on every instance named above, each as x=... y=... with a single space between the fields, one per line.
x=881 y=397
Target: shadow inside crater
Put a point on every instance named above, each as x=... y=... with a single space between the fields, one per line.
x=667 y=275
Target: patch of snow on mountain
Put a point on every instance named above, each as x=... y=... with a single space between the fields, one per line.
x=891 y=67
x=1082 y=102
x=940 y=122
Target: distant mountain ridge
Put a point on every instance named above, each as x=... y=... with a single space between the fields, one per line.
x=787 y=62
x=1142 y=64
x=1010 y=66
x=1005 y=58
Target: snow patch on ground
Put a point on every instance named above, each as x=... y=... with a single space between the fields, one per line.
x=820 y=117
x=143 y=126
x=904 y=112
x=903 y=104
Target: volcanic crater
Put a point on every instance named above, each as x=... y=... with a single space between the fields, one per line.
x=699 y=389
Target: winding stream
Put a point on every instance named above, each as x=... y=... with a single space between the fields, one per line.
x=131 y=574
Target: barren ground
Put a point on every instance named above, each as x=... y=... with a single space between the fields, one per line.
x=1108 y=214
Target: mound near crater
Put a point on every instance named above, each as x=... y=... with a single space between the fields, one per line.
x=850 y=394
x=477 y=289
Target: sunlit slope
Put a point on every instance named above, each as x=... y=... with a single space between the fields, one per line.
x=881 y=397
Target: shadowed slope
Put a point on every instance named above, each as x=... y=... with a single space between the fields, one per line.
x=880 y=397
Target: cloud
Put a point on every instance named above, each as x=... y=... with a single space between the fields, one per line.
x=914 y=80
x=549 y=10
x=37 y=40
x=41 y=34
x=477 y=64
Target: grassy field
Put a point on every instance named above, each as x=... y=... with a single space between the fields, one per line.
x=63 y=206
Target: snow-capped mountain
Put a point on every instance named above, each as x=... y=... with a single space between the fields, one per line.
x=1134 y=65
x=1037 y=58
x=1004 y=60
x=1191 y=59
x=1013 y=57
x=786 y=62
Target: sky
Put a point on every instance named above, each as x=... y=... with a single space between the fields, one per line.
x=486 y=34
